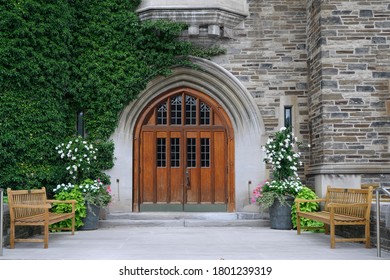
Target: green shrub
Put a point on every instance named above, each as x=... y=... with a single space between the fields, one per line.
x=80 y=211
x=306 y=193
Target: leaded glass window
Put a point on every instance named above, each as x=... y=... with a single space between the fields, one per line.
x=204 y=114
x=161 y=152
x=176 y=103
x=190 y=110
x=205 y=152
x=175 y=152
x=162 y=114
x=191 y=152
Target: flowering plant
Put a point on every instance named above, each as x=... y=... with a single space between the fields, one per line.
x=93 y=191
x=281 y=154
x=265 y=194
x=78 y=155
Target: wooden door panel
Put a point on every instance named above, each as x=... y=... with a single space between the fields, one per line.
x=162 y=185
x=176 y=185
x=148 y=167
x=206 y=186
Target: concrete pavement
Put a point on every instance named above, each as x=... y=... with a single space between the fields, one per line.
x=179 y=242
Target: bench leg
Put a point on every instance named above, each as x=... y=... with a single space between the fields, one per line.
x=367 y=235
x=73 y=223
x=332 y=236
x=298 y=224
x=12 y=236
x=326 y=227
x=46 y=236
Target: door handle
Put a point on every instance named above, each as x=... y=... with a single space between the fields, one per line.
x=188 y=181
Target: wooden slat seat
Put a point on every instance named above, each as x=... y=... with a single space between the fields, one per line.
x=341 y=207
x=32 y=208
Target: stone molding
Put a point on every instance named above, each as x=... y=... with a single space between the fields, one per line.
x=217 y=16
x=344 y=168
x=232 y=96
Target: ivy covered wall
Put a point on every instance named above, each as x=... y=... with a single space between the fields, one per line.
x=58 y=57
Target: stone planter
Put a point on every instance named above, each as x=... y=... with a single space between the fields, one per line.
x=91 y=221
x=280 y=215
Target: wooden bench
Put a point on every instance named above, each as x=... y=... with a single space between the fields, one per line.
x=341 y=207
x=31 y=208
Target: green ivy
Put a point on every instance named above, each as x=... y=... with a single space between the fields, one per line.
x=59 y=57
x=306 y=193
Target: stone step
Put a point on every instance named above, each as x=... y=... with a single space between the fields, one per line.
x=184 y=219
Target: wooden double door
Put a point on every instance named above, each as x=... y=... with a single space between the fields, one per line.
x=183 y=155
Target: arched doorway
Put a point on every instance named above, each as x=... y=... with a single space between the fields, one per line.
x=183 y=154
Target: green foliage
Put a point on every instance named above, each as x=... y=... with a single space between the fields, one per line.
x=115 y=56
x=80 y=212
x=266 y=193
x=95 y=193
x=306 y=193
x=58 y=57
x=34 y=73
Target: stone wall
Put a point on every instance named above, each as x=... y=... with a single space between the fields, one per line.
x=267 y=53
x=349 y=93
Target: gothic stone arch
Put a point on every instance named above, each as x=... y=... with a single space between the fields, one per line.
x=226 y=90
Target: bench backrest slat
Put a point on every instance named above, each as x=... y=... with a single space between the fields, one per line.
x=349 y=196
x=34 y=197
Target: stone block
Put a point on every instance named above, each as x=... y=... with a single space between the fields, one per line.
x=332 y=20
x=378 y=40
x=381 y=74
x=366 y=13
x=365 y=89
x=358 y=66
x=329 y=84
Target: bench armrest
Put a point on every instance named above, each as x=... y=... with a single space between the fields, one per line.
x=61 y=201
x=301 y=200
x=35 y=206
x=72 y=201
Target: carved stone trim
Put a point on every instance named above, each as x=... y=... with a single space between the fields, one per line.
x=227 y=13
